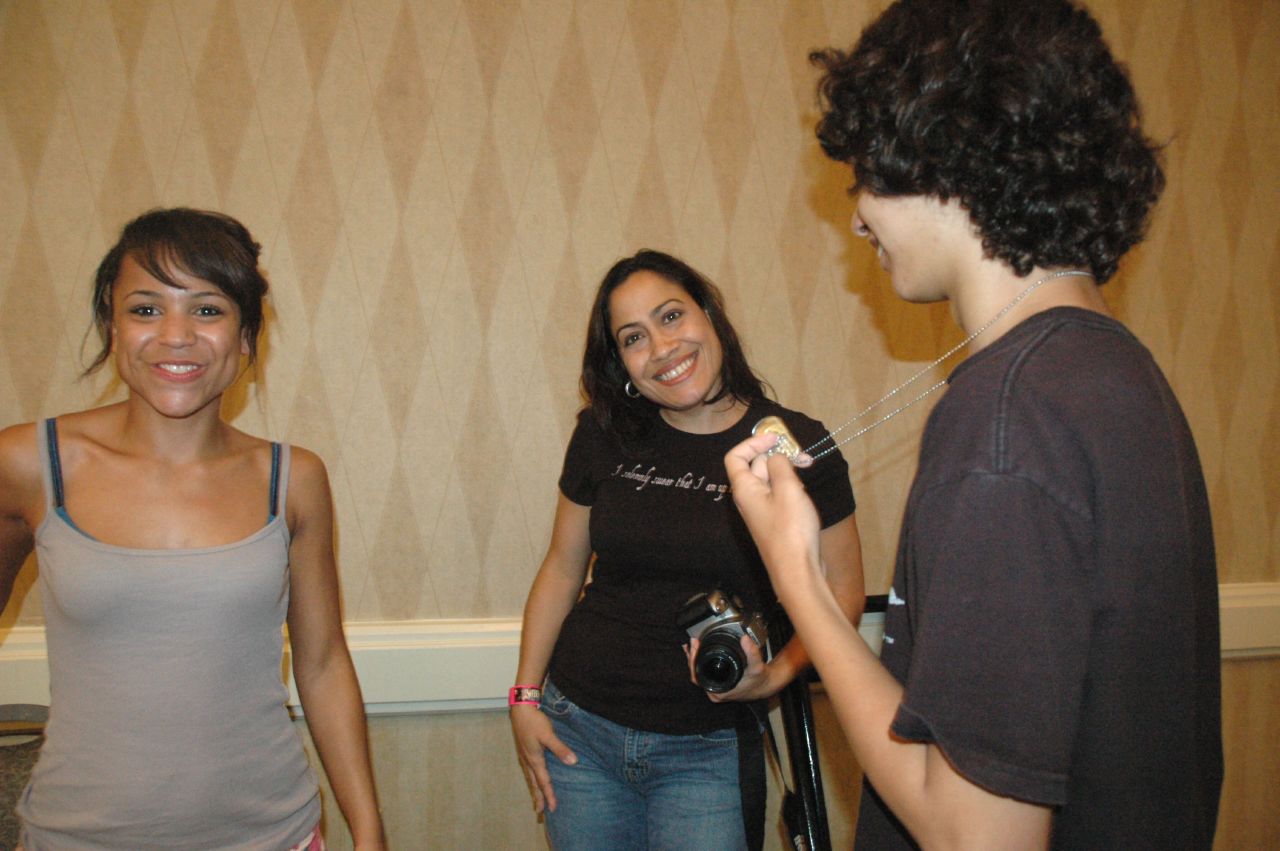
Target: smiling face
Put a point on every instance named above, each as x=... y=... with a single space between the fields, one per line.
x=176 y=348
x=666 y=342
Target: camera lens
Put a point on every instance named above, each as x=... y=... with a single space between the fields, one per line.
x=720 y=663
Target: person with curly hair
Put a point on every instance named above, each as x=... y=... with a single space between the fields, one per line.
x=1050 y=669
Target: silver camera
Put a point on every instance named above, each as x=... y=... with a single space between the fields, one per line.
x=717 y=620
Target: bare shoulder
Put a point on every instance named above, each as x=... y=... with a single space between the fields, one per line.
x=18 y=439
x=306 y=469
x=97 y=425
x=19 y=466
x=309 y=494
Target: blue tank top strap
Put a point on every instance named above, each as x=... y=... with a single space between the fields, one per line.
x=55 y=494
x=55 y=463
x=274 y=497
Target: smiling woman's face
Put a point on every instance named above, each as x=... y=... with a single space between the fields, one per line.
x=177 y=348
x=667 y=343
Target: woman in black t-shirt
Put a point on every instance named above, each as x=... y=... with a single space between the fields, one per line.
x=640 y=755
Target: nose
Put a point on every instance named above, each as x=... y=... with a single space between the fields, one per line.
x=663 y=345
x=858 y=225
x=177 y=329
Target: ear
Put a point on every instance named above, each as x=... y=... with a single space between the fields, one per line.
x=244 y=341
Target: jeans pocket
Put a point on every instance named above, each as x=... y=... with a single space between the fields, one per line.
x=725 y=736
x=555 y=703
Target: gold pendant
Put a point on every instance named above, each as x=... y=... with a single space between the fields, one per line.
x=786 y=445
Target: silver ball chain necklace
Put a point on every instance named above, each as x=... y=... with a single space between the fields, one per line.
x=787 y=444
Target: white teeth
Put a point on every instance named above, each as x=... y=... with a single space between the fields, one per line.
x=678 y=370
x=179 y=368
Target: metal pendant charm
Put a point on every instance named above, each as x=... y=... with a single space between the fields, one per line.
x=786 y=445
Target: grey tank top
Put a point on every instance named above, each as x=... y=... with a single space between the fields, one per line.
x=167 y=726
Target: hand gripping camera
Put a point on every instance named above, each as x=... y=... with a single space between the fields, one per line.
x=717 y=620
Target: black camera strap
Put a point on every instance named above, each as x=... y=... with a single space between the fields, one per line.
x=804 y=812
x=793 y=815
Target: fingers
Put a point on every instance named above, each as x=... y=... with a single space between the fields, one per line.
x=754 y=473
x=534 y=737
x=561 y=750
x=755 y=658
x=544 y=797
x=563 y=753
x=742 y=458
x=782 y=470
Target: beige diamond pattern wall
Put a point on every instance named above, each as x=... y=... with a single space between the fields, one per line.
x=438 y=187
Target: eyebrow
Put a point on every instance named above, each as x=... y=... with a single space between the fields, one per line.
x=653 y=312
x=192 y=293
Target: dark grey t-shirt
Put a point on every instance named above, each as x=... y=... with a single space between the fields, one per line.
x=1054 y=612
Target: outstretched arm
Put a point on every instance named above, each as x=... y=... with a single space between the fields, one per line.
x=938 y=805
x=322 y=665
x=555 y=590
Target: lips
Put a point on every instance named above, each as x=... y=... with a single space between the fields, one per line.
x=177 y=369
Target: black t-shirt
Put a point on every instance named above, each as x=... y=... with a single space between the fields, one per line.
x=1054 y=611
x=664 y=528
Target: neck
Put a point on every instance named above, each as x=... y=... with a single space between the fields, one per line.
x=706 y=418
x=146 y=431
x=996 y=300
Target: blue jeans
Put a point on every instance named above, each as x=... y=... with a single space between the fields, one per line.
x=633 y=789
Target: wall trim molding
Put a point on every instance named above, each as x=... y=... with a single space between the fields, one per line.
x=1250 y=613
x=460 y=665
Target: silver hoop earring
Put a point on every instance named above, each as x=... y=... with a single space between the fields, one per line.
x=630 y=390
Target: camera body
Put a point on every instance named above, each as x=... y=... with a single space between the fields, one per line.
x=718 y=621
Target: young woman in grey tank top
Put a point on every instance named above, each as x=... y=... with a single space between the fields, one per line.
x=172 y=547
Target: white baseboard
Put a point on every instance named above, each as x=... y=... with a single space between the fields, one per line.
x=465 y=665
x=1250 y=613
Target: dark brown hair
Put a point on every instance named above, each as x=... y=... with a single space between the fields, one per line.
x=604 y=377
x=1015 y=108
x=207 y=245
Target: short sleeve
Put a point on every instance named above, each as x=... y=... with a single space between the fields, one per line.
x=576 y=480
x=997 y=591
x=827 y=481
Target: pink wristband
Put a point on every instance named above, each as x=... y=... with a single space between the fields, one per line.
x=524 y=695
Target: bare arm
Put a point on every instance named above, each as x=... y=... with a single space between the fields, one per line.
x=555 y=590
x=939 y=806
x=322 y=664
x=20 y=494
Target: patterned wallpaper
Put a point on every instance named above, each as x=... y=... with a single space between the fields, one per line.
x=439 y=186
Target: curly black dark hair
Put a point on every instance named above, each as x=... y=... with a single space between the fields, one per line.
x=211 y=246
x=604 y=377
x=1015 y=108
